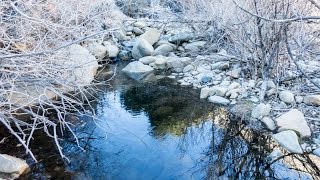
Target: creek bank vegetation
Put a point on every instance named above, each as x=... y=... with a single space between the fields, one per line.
x=265 y=54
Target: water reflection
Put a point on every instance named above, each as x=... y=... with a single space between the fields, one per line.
x=162 y=131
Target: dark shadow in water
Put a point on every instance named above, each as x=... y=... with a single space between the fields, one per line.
x=170 y=108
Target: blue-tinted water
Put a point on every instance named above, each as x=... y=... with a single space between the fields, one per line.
x=163 y=131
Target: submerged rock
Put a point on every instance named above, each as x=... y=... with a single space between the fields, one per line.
x=218 y=100
x=137 y=70
x=289 y=140
x=294 y=120
x=12 y=167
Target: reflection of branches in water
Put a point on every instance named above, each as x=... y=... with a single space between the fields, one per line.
x=240 y=153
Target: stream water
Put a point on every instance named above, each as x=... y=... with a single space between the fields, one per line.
x=160 y=130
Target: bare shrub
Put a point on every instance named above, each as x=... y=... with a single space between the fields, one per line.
x=33 y=35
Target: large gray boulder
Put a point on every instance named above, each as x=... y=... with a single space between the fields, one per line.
x=289 y=140
x=141 y=49
x=137 y=70
x=151 y=35
x=164 y=49
x=313 y=100
x=12 y=167
x=84 y=65
x=294 y=120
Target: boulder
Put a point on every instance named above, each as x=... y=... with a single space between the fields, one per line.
x=195 y=46
x=261 y=110
x=112 y=49
x=218 y=100
x=251 y=83
x=181 y=37
x=160 y=63
x=83 y=65
x=176 y=64
x=12 y=167
x=220 y=91
x=206 y=92
x=232 y=91
x=188 y=68
x=293 y=120
x=234 y=73
x=233 y=85
x=140 y=24
x=271 y=85
x=137 y=31
x=316 y=152
x=220 y=65
x=234 y=95
x=148 y=60
x=269 y=123
x=141 y=49
x=312 y=100
x=299 y=99
x=206 y=77
x=137 y=70
x=275 y=154
x=151 y=35
x=289 y=140
x=98 y=50
x=225 y=83
x=164 y=49
x=286 y=96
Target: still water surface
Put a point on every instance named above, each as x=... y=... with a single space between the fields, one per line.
x=162 y=131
